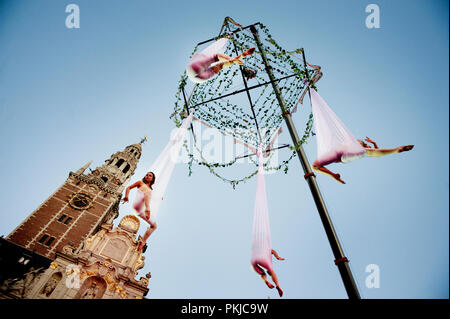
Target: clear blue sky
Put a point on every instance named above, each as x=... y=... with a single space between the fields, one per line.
x=71 y=96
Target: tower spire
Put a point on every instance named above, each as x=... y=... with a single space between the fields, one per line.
x=85 y=167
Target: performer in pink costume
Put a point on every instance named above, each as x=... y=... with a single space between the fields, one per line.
x=261 y=257
x=336 y=144
x=207 y=63
x=142 y=203
x=343 y=155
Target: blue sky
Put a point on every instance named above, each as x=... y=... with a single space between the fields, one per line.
x=68 y=96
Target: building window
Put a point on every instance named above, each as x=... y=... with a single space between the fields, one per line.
x=62 y=218
x=105 y=179
x=50 y=241
x=44 y=238
x=126 y=168
x=120 y=162
x=68 y=220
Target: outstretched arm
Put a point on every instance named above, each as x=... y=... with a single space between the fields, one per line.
x=368 y=139
x=127 y=191
x=276 y=255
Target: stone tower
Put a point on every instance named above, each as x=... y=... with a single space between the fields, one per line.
x=77 y=210
x=105 y=268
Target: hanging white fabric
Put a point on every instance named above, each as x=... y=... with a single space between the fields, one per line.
x=218 y=46
x=261 y=251
x=163 y=166
x=333 y=137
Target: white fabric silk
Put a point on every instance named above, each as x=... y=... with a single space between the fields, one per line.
x=332 y=135
x=261 y=251
x=163 y=166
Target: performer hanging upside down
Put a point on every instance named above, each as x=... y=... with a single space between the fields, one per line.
x=142 y=202
x=337 y=156
x=202 y=67
x=259 y=265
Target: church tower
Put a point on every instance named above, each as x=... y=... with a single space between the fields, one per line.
x=74 y=212
x=79 y=207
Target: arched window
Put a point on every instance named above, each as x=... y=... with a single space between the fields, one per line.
x=120 y=162
x=105 y=179
x=126 y=168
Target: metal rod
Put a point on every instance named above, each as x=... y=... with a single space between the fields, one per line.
x=187 y=112
x=266 y=151
x=340 y=260
x=235 y=31
x=248 y=93
x=243 y=90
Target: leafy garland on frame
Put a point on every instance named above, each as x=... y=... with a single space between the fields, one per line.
x=218 y=85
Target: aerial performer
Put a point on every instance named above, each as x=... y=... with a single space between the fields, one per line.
x=261 y=254
x=142 y=203
x=335 y=143
x=207 y=63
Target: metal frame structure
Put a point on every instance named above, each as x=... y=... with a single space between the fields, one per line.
x=340 y=260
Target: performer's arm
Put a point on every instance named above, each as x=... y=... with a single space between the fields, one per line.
x=127 y=191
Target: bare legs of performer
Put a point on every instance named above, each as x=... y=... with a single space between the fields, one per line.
x=203 y=69
x=147 y=234
x=272 y=274
x=152 y=227
x=371 y=152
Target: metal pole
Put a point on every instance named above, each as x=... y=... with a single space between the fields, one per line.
x=340 y=260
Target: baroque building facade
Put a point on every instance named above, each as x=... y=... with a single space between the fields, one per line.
x=68 y=228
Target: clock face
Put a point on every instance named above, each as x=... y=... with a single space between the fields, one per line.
x=80 y=201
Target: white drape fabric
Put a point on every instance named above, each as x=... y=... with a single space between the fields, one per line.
x=333 y=137
x=261 y=251
x=218 y=46
x=163 y=166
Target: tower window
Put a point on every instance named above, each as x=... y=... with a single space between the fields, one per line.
x=68 y=221
x=44 y=238
x=50 y=241
x=120 y=162
x=105 y=179
x=126 y=168
x=62 y=218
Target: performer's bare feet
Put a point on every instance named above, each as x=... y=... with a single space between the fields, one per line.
x=280 y=292
x=338 y=178
x=269 y=284
x=405 y=148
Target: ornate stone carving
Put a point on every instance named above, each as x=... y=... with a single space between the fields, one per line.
x=130 y=223
x=91 y=292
